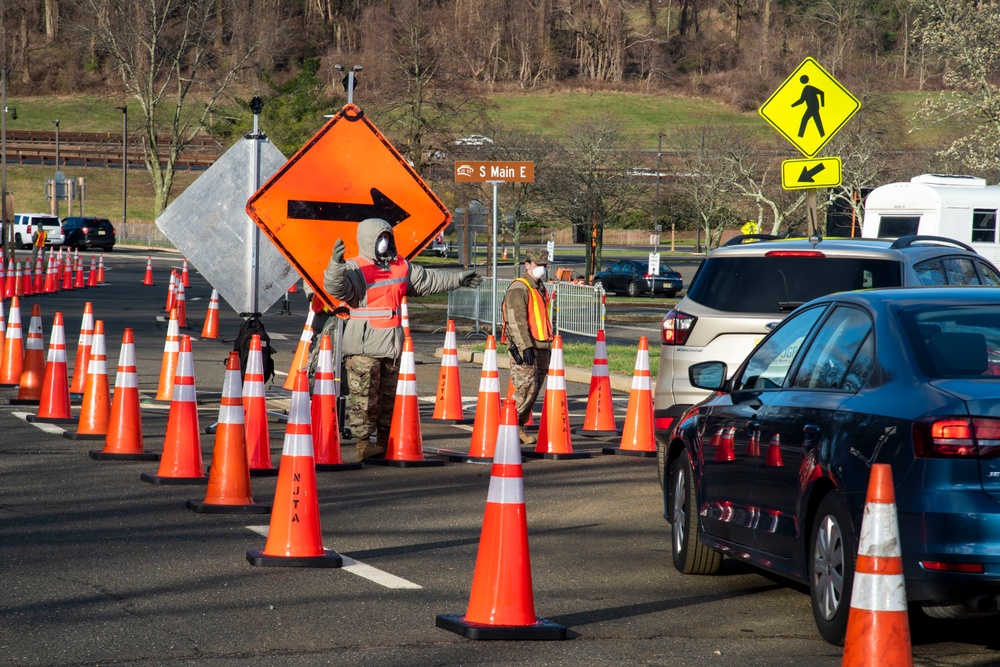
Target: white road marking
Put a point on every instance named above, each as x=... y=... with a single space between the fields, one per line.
x=362 y=570
x=45 y=428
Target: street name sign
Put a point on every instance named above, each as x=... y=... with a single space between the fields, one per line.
x=346 y=173
x=822 y=172
x=481 y=172
x=810 y=107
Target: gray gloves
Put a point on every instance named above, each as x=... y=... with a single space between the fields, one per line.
x=338 y=252
x=469 y=278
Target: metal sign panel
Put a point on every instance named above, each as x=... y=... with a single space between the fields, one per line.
x=809 y=107
x=816 y=173
x=483 y=172
x=344 y=174
x=208 y=223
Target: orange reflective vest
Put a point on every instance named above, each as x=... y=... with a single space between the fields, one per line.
x=386 y=289
x=538 y=314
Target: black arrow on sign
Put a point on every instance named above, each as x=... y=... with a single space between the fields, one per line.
x=381 y=207
x=807 y=174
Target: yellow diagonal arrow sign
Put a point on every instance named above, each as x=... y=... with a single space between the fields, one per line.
x=822 y=172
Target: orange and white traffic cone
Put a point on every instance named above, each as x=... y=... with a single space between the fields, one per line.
x=33 y=374
x=301 y=356
x=9 y=283
x=487 y=421
x=171 y=292
x=502 y=604
x=184 y=274
x=28 y=283
x=180 y=462
x=294 y=537
x=100 y=269
x=83 y=344
x=448 y=404
x=18 y=279
x=600 y=418
x=53 y=406
x=13 y=348
x=774 y=459
x=181 y=304
x=39 y=286
x=78 y=281
x=228 y=489
x=50 y=275
x=3 y=332
x=168 y=366
x=67 y=277
x=404 y=317
x=638 y=438
x=325 y=426
x=725 y=446
x=92 y=272
x=878 y=629
x=94 y=411
x=554 y=440
x=406 y=443
x=148 y=279
x=210 y=329
x=124 y=439
x=258 y=436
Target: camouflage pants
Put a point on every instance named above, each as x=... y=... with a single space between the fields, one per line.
x=528 y=381
x=323 y=323
x=372 y=383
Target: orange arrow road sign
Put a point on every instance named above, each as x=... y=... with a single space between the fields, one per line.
x=344 y=174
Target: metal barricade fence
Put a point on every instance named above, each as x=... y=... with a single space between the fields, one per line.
x=573 y=308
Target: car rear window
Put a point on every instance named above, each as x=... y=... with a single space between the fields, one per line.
x=48 y=222
x=781 y=284
x=955 y=342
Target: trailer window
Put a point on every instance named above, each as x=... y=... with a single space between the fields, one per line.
x=984 y=226
x=893 y=226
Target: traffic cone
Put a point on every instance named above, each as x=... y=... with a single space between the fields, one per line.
x=94 y=411
x=487 y=421
x=180 y=462
x=638 y=438
x=554 y=440
x=67 y=278
x=9 y=284
x=18 y=279
x=406 y=445
x=100 y=269
x=168 y=366
x=33 y=370
x=28 y=282
x=301 y=356
x=878 y=629
x=294 y=538
x=229 y=477
x=294 y=289
x=78 y=282
x=184 y=274
x=258 y=435
x=448 y=404
x=124 y=439
x=3 y=333
x=181 y=304
x=753 y=444
x=404 y=316
x=148 y=279
x=501 y=603
x=725 y=451
x=600 y=418
x=83 y=344
x=211 y=327
x=171 y=291
x=510 y=395
x=13 y=348
x=39 y=286
x=53 y=406
x=325 y=426
x=50 y=276
x=774 y=459
x=92 y=272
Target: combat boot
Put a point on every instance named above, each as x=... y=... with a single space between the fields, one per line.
x=368 y=449
x=527 y=438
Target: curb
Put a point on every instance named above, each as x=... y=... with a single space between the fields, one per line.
x=573 y=374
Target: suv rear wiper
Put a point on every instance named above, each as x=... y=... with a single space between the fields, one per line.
x=789 y=305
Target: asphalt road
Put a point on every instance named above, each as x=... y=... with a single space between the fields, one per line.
x=97 y=567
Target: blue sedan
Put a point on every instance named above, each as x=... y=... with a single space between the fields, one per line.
x=773 y=468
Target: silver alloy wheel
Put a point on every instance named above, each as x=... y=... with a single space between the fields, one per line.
x=828 y=567
x=680 y=502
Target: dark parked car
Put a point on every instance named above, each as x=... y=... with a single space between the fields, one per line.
x=773 y=467
x=88 y=232
x=632 y=277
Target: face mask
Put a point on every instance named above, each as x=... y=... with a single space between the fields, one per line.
x=382 y=246
x=538 y=272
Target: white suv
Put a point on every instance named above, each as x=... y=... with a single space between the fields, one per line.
x=25 y=225
x=745 y=288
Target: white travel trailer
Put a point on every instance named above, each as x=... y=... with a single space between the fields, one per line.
x=962 y=208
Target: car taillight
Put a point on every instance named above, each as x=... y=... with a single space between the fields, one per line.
x=85 y=230
x=967 y=568
x=662 y=423
x=794 y=253
x=647 y=276
x=956 y=437
x=676 y=327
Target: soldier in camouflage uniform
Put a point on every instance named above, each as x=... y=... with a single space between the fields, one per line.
x=528 y=333
x=373 y=284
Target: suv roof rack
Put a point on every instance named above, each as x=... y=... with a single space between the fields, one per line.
x=907 y=241
x=744 y=238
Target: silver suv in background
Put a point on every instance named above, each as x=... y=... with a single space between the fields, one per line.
x=745 y=288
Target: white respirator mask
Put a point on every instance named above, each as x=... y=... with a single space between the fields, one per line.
x=382 y=246
x=538 y=272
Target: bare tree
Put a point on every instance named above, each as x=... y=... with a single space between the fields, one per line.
x=705 y=179
x=163 y=52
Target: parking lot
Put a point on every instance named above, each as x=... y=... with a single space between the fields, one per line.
x=97 y=567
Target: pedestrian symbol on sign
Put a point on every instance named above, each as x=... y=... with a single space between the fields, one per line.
x=813 y=98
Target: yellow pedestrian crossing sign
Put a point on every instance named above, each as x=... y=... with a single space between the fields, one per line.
x=809 y=107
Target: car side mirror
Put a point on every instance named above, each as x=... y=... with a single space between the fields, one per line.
x=709 y=375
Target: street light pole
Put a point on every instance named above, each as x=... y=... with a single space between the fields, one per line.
x=124 y=110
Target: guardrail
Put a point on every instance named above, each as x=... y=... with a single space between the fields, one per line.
x=576 y=309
